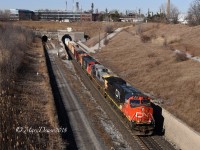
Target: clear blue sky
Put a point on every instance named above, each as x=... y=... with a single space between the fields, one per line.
x=121 y=5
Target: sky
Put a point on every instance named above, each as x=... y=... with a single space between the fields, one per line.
x=121 y=5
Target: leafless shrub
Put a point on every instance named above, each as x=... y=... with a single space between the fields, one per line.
x=171 y=48
x=5 y=15
x=192 y=53
x=152 y=54
x=165 y=42
x=14 y=41
x=106 y=41
x=138 y=29
x=194 y=13
x=109 y=29
x=153 y=35
x=174 y=13
x=181 y=56
x=145 y=38
x=158 y=62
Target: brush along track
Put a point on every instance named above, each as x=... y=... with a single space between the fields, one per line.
x=136 y=142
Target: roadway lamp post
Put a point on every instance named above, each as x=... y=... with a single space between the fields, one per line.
x=99 y=39
x=58 y=16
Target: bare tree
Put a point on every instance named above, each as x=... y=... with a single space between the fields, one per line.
x=194 y=13
x=5 y=15
x=163 y=8
x=174 y=13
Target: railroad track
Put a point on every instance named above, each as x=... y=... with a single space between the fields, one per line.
x=135 y=142
x=143 y=142
x=77 y=118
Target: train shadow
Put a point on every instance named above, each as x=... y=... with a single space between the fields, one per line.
x=67 y=50
x=159 y=120
x=68 y=137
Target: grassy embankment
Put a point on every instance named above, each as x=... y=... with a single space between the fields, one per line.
x=25 y=94
x=144 y=56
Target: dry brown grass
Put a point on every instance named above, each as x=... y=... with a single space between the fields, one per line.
x=28 y=103
x=90 y=28
x=94 y=40
x=153 y=68
x=173 y=39
x=160 y=41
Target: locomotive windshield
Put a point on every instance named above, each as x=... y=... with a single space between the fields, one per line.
x=104 y=70
x=134 y=103
x=145 y=102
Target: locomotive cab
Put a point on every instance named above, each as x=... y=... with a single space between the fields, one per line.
x=139 y=112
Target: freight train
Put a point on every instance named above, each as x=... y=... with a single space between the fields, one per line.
x=132 y=103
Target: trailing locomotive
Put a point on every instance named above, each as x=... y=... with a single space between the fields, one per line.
x=133 y=104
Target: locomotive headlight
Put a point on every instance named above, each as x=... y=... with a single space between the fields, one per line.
x=142 y=109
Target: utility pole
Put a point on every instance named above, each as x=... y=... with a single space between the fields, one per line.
x=99 y=38
x=168 y=9
x=73 y=11
x=92 y=7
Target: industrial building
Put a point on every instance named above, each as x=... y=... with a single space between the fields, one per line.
x=17 y=14
x=14 y=14
x=62 y=15
x=76 y=14
x=46 y=15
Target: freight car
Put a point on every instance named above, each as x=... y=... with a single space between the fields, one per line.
x=133 y=104
x=87 y=62
x=78 y=53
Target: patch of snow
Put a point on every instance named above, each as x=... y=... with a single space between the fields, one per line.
x=101 y=45
x=116 y=136
x=108 y=125
x=196 y=59
x=188 y=55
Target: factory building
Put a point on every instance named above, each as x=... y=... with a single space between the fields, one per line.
x=62 y=15
x=46 y=15
x=16 y=14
